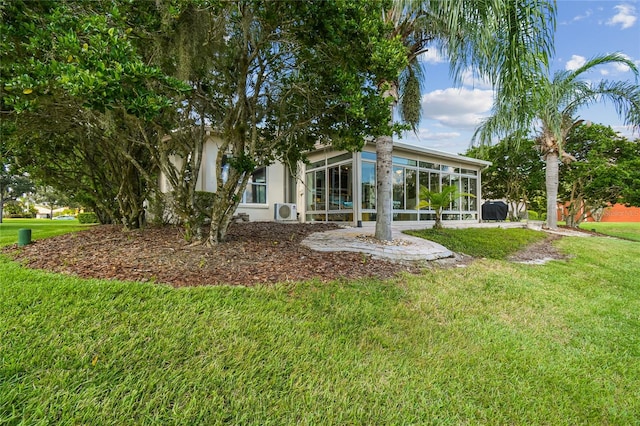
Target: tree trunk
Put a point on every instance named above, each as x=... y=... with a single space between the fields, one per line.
x=551 y=175
x=384 y=149
x=438 y=223
x=384 y=198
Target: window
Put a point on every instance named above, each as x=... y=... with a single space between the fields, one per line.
x=256 y=191
x=368 y=186
x=398 y=188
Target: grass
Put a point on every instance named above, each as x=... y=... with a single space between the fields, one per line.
x=491 y=243
x=628 y=230
x=492 y=343
x=40 y=228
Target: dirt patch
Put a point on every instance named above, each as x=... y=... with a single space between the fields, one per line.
x=540 y=252
x=255 y=253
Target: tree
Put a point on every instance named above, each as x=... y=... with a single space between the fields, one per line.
x=439 y=200
x=279 y=77
x=603 y=171
x=549 y=106
x=516 y=173
x=499 y=40
x=12 y=185
x=72 y=83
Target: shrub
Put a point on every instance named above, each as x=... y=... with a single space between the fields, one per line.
x=88 y=217
x=533 y=215
x=543 y=216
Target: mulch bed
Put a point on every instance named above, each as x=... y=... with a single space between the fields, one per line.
x=255 y=253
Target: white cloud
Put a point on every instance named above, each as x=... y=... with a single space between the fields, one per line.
x=432 y=56
x=581 y=17
x=604 y=72
x=626 y=16
x=469 y=79
x=458 y=108
x=575 y=62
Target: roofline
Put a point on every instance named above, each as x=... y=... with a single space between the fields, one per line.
x=447 y=155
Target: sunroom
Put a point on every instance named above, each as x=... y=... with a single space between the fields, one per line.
x=341 y=186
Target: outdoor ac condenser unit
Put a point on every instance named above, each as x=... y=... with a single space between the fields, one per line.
x=285 y=212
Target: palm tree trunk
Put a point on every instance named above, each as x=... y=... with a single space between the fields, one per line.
x=384 y=149
x=551 y=175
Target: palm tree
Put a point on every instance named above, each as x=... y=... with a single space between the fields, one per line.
x=550 y=107
x=438 y=201
x=500 y=40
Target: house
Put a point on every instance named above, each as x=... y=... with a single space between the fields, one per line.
x=340 y=186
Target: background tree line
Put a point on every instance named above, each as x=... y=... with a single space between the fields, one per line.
x=604 y=170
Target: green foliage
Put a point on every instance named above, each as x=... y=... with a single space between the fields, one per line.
x=516 y=172
x=491 y=243
x=605 y=171
x=532 y=214
x=88 y=217
x=440 y=200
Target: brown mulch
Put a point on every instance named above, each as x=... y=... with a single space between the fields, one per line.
x=255 y=252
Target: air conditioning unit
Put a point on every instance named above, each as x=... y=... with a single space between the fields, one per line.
x=285 y=212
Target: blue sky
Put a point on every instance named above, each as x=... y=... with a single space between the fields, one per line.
x=584 y=29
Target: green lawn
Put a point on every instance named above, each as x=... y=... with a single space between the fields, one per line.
x=40 y=228
x=628 y=230
x=492 y=243
x=492 y=343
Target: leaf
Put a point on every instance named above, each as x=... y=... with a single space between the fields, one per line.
x=27 y=91
x=94 y=361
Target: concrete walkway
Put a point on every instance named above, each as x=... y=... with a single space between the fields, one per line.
x=404 y=247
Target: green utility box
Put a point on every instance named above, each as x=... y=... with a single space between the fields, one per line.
x=24 y=237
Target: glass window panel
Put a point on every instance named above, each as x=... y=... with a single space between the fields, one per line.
x=316 y=164
x=473 y=201
x=320 y=217
x=465 y=189
x=427 y=165
x=427 y=216
x=434 y=182
x=310 y=191
x=256 y=190
x=404 y=161
x=398 y=188
x=368 y=186
x=321 y=190
x=369 y=155
x=259 y=176
x=369 y=217
x=411 y=177
x=339 y=158
x=405 y=216
x=455 y=181
x=334 y=188
x=346 y=186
